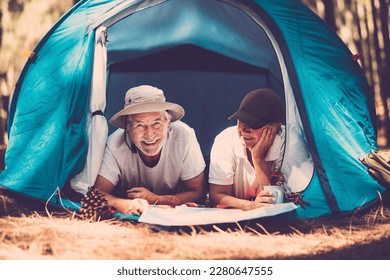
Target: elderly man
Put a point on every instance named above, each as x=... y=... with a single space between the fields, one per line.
x=153 y=158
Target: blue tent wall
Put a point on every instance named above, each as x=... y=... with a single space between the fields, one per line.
x=338 y=104
x=47 y=137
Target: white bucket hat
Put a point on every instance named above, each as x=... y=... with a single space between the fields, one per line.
x=144 y=99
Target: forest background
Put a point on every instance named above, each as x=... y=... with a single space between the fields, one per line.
x=363 y=25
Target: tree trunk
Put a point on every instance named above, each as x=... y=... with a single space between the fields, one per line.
x=2 y=75
x=385 y=85
x=375 y=38
x=1 y=26
x=384 y=16
x=329 y=16
x=370 y=71
x=378 y=60
x=359 y=40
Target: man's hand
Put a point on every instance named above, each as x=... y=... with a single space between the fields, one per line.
x=144 y=193
x=137 y=206
x=131 y=206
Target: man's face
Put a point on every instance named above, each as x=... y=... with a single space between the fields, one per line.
x=248 y=136
x=148 y=131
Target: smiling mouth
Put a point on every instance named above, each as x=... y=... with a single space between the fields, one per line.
x=150 y=142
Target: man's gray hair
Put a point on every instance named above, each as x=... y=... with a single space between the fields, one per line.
x=166 y=115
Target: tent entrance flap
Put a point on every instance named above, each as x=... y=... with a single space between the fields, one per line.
x=208 y=85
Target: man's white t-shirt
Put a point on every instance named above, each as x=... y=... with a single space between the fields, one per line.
x=229 y=164
x=181 y=159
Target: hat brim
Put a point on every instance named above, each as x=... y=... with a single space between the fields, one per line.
x=175 y=110
x=248 y=119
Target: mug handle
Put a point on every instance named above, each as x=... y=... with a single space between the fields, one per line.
x=279 y=195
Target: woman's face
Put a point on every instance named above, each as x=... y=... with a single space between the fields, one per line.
x=248 y=136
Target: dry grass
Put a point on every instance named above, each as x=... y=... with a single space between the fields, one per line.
x=25 y=235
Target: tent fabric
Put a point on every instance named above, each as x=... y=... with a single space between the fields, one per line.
x=205 y=55
x=47 y=140
x=96 y=122
x=332 y=85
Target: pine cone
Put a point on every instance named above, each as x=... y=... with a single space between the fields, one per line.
x=95 y=207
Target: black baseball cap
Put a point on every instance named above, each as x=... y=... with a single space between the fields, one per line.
x=259 y=107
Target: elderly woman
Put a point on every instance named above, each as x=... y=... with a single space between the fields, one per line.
x=245 y=157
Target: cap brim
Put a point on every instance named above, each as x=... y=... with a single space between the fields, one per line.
x=175 y=110
x=248 y=119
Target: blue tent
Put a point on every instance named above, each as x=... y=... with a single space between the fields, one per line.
x=205 y=55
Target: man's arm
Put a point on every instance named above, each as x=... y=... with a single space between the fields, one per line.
x=194 y=190
x=125 y=206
